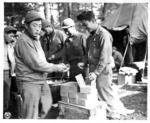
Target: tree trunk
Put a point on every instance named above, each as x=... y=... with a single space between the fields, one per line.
x=12 y=18
x=91 y=6
x=69 y=10
x=59 y=12
x=104 y=10
x=47 y=11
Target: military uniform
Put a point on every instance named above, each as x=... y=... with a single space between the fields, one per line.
x=117 y=58
x=74 y=53
x=31 y=73
x=9 y=65
x=99 y=47
x=52 y=43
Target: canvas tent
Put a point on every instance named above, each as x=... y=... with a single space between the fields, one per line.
x=132 y=15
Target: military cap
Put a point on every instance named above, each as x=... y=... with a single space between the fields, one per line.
x=67 y=23
x=10 y=29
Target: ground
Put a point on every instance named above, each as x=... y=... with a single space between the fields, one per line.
x=136 y=99
x=133 y=96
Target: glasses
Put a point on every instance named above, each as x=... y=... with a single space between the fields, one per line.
x=12 y=36
x=66 y=30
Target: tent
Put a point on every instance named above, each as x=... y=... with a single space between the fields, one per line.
x=132 y=15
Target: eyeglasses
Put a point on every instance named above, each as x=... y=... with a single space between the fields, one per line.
x=66 y=29
x=12 y=36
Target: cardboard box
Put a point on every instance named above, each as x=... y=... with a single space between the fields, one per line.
x=80 y=80
x=64 y=93
x=64 y=87
x=69 y=87
x=85 y=89
x=65 y=99
x=73 y=95
x=73 y=101
x=73 y=87
x=92 y=100
x=86 y=96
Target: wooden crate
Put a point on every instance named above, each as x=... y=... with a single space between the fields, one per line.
x=71 y=111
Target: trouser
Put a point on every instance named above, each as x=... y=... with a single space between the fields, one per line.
x=105 y=89
x=13 y=84
x=33 y=95
x=6 y=90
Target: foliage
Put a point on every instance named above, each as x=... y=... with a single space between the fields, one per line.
x=14 y=12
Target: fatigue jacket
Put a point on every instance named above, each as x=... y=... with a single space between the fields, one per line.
x=117 y=58
x=31 y=64
x=99 y=48
x=9 y=60
x=53 y=44
x=75 y=48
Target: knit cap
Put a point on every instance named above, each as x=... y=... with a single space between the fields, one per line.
x=31 y=16
x=45 y=23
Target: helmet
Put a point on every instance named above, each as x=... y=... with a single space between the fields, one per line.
x=67 y=23
x=31 y=16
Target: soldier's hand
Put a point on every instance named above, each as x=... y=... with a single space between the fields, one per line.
x=51 y=57
x=81 y=65
x=92 y=76
x=62 y=67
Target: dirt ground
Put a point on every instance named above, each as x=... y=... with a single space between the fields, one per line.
x=135 y=98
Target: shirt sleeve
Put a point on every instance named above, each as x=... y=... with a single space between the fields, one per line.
x=84 y=39
x=105 y=53
x=31 y=58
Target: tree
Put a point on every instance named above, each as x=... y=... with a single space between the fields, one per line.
x=47 y=11
x=14 y=12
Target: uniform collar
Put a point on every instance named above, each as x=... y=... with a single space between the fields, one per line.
x=97 y=31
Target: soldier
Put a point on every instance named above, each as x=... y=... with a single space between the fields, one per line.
x=99 y=54
x=74 y=49
x=9 y=63
x=32 y=68
x=52 y=43
x=117 y=58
